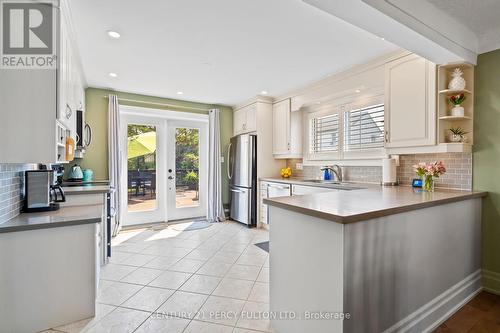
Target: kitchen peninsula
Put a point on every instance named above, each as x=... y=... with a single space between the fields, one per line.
x=393 y=258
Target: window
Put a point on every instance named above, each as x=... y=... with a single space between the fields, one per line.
x=364 y=128
x=324 y=134
x=348 y=131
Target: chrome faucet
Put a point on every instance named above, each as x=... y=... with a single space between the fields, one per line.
x=336 y=169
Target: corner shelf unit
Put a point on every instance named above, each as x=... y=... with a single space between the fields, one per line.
x=445 y=119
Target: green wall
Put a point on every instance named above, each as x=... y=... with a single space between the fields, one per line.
x=486 y=159
x=96 y=157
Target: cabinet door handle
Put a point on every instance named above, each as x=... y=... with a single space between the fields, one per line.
x=68 y=111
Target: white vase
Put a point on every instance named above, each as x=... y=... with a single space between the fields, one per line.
x=455 y=138
x=457 y=82
x=458 y=111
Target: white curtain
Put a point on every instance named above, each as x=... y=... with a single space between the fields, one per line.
x=215 y=207
x=114 y=163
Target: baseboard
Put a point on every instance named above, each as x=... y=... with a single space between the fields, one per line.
x=491 y=281
x=431 y=315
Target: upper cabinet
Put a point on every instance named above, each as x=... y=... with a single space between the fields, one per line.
x=410 y=102
x=41 y=104
x=69 y=82
x=281 y=127
x=287 y=131
x=245 y=119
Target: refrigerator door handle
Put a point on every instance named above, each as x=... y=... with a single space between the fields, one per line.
x=229 y=161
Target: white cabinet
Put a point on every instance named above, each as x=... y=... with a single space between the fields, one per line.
x=70 y=86
x=239 y=119
x=410 y=102
x=245 y=119
x=251 y=118
x=281 y=127
x=287 y=131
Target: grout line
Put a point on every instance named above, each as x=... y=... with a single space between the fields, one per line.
x=219 y=249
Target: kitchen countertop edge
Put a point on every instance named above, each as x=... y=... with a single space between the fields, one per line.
x=87 y=189
x=345 y=219
x=49 y=225
x=64 y=217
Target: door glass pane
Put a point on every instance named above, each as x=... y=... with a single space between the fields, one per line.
x=141 y=177
x=187 y=157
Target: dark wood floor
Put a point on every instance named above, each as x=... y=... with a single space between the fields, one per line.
x=480 y=315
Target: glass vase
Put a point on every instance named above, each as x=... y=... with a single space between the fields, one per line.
x=428 y=183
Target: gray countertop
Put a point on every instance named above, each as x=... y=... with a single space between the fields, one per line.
x=87 y=189
x=370 y=202
x=65 y=216
x=309 y=182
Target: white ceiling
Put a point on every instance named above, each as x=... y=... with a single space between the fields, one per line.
x=480 y=16
x=217 y=51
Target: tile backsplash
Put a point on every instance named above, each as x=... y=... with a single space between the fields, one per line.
x=365 y=174
x=11 y=184
x=457 y=176
x=458 y=169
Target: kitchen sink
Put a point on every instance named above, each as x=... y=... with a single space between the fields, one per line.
x=335 y=184
x=322 y=181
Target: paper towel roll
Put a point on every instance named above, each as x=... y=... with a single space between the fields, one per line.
x=389 y=176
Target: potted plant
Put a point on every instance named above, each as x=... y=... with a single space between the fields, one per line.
x=456 y=100
x=429 y=172
x=457 y=134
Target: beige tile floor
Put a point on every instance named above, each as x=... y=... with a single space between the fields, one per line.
x=211 y=280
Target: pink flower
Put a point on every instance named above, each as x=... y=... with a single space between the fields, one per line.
x=434 y=169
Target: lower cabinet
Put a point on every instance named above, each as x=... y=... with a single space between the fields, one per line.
x=277 y=189
x=103 y=235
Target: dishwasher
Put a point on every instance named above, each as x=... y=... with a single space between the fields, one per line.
x=277 y=190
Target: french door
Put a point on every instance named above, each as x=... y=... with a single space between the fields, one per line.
x=186 y=170
x=164 y=169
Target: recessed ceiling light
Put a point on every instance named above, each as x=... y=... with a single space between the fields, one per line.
x=382 y=38
x=180 y=93
x=113 y=74
x=263 y=92
x=357 y=91
x=113 y=34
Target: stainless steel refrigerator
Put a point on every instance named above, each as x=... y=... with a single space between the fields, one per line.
x=242 y=173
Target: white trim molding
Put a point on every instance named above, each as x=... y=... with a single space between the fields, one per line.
x=434 y=313
x=491 y=281
x=164 y=114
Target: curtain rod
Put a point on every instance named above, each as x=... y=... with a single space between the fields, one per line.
x=161 y=104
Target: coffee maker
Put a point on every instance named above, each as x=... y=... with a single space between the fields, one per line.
x=41 y=191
